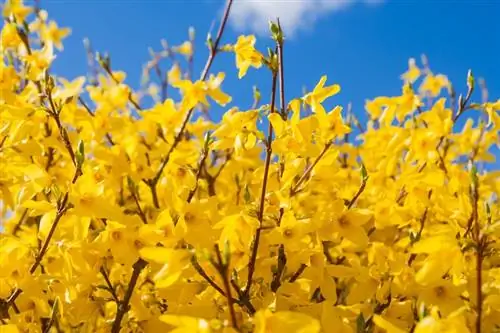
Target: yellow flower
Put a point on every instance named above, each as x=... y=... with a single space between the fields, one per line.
x=443 y=294
x=348 y=223
x=332 y=125
x=319 y=94
x=39 y=61
x=197 y=92
x=433 y=84
x=186 y=49
x=17 y=9
x=246 y=54
x=51 y=33
x=413 y=72
x=9 y=36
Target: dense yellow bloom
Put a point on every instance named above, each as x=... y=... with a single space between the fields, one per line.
x=125 y=215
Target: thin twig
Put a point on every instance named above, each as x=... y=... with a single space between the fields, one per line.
x=198 y=175
x=140 y=211
x=255 y=247
x=223 y=268
x=18 y=225
x=213 y=52
x=123 y=306
x=92 y=114
x=306 y=174
x=60 y=212
x=358 y=193
x=110 y=288
x=298 y=273
x=203 y=274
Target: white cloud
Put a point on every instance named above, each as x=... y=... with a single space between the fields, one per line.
x=253 y=15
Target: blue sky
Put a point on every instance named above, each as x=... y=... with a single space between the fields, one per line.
x=363 y=45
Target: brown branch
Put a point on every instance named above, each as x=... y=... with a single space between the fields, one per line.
x=276 y=283
x=423 y=218
x=326 y=252
x=123 y=306
x=198 y=174
x=110 y=287
x=241 y=301
x=92 y=114
x=223 y=268
x=304 y=177
x=479 y=281
x=18 y=225
x=60 y=212
x=140 y=211
x=214 y=49
x=358 y=193
x=480 y=242
x=109 y=71
x=205 y=276
x=298 y=273
x=255 y=247
x=163 y=81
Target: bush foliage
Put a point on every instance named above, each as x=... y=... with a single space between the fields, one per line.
x=123 y=218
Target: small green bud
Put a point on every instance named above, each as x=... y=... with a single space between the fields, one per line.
x=49 y=83
x=80 y=154
x=470 y=80
x=247 y=196
x=413 y=237
x=208 y=141
x=131 y=185
x=226 y=254
x=364 y=173
x=270 y=52
x=256 y=95
x=103 y=60
x=473 y=175
x=360 y=323
x=210 y=42
x=275 y=31
x=422 y=311
x=56 y=191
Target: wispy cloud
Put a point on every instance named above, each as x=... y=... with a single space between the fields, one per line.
x=253 y=15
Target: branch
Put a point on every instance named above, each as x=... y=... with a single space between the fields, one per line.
x=358 y=193
x=92 y=114
x=60 y=212
x=223 y=268
x=306 y=174
x=199 y=170
x=110 y=288
x=298 y=273
x=204 y=275
x=255 y=248
x=123 y=306
x=213 y=52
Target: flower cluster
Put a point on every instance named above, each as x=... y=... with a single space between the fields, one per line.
x=119 y=217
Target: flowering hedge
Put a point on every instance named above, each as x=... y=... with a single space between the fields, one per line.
x=122 y=218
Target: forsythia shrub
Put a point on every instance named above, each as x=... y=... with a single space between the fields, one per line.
x=118 y=217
